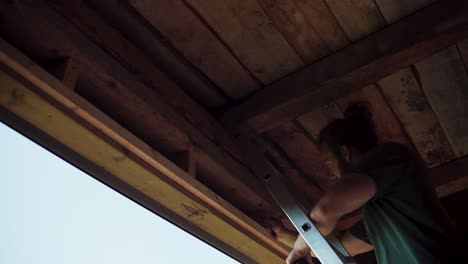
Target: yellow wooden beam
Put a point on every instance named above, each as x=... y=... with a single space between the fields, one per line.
x=124 y=156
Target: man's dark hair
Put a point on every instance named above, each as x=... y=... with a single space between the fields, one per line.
x=355 y=130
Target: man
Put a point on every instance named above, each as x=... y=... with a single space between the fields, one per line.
x=403 y=219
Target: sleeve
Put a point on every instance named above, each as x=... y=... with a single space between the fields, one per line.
x=359 y=230
x=388 y=169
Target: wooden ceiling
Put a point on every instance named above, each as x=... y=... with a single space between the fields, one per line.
x=187 y=76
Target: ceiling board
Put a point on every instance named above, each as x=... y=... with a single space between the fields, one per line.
x=175 y=21
x=407 y=100
x=251 y=35
x=445 y=84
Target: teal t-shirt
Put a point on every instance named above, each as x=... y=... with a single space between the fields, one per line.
x=405 y=220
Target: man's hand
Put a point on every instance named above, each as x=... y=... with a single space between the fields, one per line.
x=301 y=250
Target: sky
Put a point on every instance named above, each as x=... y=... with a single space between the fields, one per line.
x=53 y=213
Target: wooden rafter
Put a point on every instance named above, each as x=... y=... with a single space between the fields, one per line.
x=167 y=117
x=66 y=117
x=364 y=62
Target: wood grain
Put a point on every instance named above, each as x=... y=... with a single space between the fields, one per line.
x=294 y=141
x=28 y=22
x=309 y=26
x=445 y=84
x=250 y=34
x=316 y=120
x=406 y=98
x=123 y=17
x=91 y=134
x=358 y=18
x=290 y=21
x=201 y=47
x=394 y=10
x=365 y=62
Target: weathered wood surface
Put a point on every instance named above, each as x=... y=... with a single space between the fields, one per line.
x=309 y=26
x=386 y=125
x=300 y=149
x=365 y=62
x=136 y=62
x=445 y=84
x=250 y=34
x=407 y=100
x=27 y=22
x=316 y=120
x=358 y=18
x=122 y=16
x=290 y=21
x=393 y=10
x=193 y=39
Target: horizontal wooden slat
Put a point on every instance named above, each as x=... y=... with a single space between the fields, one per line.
x=367 y=61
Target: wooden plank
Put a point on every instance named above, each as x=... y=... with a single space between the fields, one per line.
x=249 y=33
x=28 y=22
x=394 y=10
x=365 y=62
x=201 y=47
x=90 y=24
x=309 y=26
x=450 y=177
x=316 y=120
x=302 y=152
x=386 y=125
x=358 y=18
x=290 y=21
x=407 y=100
x=152 y=182
x=319 y=16
x=127 y=20
x=445 y=84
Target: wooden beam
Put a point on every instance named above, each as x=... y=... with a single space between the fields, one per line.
x=123 y=17
x=450 y=177
x=189 y=34
x=367 y=61
x=28 y=21
x=77 y=124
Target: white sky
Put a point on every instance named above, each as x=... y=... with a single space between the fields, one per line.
x=51 y=213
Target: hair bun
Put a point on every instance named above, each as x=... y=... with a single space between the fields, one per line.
x=359 y=112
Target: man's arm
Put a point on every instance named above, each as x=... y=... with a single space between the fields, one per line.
x=349 y=194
